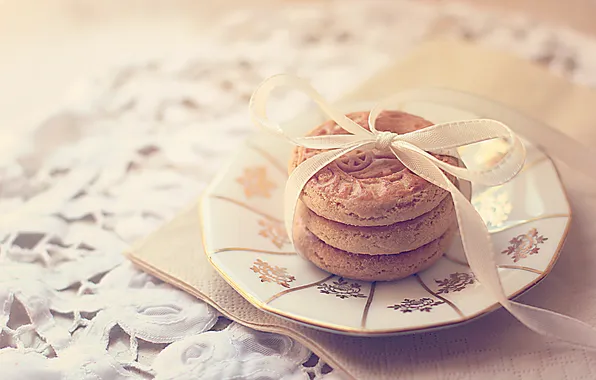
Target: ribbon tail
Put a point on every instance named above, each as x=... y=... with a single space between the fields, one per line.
x=474 y=234
x=479 y=251
x=302 y=173
x=552 y=324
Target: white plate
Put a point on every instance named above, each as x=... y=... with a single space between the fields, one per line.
x=244 y=237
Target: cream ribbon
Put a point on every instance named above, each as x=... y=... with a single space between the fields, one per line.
x=412 y=150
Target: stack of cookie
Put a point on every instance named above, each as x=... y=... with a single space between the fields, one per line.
x=367 y=217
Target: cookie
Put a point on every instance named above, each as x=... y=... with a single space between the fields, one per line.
x=375 y=240
x=369 y=187
x=369 y=267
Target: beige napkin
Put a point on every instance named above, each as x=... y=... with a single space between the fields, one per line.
x=496 y=345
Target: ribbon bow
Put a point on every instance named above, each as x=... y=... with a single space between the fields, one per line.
x=412 y=149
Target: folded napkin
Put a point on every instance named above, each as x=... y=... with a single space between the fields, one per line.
x=496 y=345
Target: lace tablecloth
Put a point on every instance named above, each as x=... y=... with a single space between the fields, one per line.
x=132 y=147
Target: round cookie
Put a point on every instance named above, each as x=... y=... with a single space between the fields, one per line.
x=369 y=187
x=375 y=240
x=369 y=267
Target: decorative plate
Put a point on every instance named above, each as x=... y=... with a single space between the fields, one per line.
x=245 y=240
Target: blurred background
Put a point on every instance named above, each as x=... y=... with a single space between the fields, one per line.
x=47 y=45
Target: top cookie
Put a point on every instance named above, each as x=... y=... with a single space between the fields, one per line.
x=369 y=187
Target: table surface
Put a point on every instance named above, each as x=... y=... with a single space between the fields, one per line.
x=114 y=118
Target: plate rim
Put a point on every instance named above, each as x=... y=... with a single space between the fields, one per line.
x=354 y=331
x=380 y=332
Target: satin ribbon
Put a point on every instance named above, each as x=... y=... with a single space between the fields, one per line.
x=412 y=149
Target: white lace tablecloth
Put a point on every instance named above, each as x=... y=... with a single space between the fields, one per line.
x=133 y=146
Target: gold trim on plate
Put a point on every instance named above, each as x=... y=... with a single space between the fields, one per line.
x=528 y=269
x=371 y=294
x=507 y=266
x=453 y=306
x=305 y=286
x=228 y=249
x=244 y=205
x=537 y=161
x=526 y=221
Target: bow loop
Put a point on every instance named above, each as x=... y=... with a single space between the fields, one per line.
x=258 y=109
